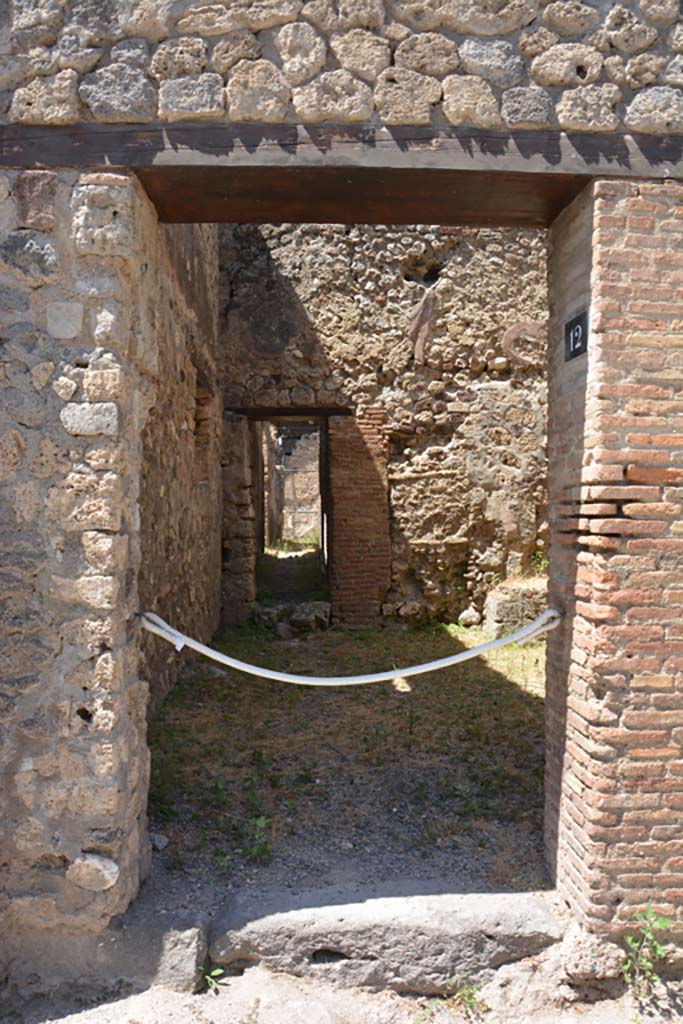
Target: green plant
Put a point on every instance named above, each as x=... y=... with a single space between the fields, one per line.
x=212 y=979
x=257 y=845
x=465 y=998
x=643 y=950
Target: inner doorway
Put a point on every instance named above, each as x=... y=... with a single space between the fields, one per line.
x=293 y=511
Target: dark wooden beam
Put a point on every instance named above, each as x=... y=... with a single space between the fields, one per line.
x=371 y=174
x=279 y=413
x=358 y=195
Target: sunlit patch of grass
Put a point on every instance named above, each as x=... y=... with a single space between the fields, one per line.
x=240 y=750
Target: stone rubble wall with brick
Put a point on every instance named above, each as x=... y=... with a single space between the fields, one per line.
x=510 y=64
x=615 y=668
x=84 y=277
x=442 y=328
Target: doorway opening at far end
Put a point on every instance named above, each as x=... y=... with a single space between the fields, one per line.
x=292 y=516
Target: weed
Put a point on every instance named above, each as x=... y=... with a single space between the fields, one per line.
x=643 y=950
x=462 y=998
x=212 y=979
x=257 y=846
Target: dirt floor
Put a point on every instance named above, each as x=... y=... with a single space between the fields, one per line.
x=290 y=573
x=262 y=784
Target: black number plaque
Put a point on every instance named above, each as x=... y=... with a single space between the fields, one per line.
x=576 y=336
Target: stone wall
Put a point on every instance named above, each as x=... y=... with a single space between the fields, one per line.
x=512 y=64
x=301 y=491
x=444 y=330
x=180 y=489
x=85 y=278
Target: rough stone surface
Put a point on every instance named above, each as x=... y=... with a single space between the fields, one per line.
x=514 y=604
x=590 y=108
x=470 y=100
x=570 y=17
x=528 y=107
x=409 y=943
x=627 y=33
x=34 y=193
x=64 y=319
x=119 y=93
x=406 y=97
x=567 y=64
x=93 y=872
x=86 y=419
x=51 y=100
x=334 y=96
x=429 y=54
x=302 y=52
x=656 y=111
x=361 y=53
x=234 y=47
x=192 y=98
x=184 y=56
x=497 y=62
x=29 y=256
x=257 y=91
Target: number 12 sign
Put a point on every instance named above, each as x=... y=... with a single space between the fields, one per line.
x=576 y=336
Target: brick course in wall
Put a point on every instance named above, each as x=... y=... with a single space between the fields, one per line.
x=616 y=666
x=360 y=562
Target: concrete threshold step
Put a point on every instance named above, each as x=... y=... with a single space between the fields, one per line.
x=398 y=937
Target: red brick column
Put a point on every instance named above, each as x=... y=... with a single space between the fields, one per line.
x=615 y=668
x=360 y=550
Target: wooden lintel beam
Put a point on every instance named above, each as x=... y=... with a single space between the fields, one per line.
x=254 y=145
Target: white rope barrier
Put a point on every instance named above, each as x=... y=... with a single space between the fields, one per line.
x=543 y=624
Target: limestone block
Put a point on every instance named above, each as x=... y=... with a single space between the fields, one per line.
x=257 y=91
x=528 y=107
x=362 y=53
x=131 y=51
x=423 y=16
x=64 y=387
x=70 y=52
x=35 y=193
x=470 y=100
x=119 y=93
x=673 y=75
x=93 y=872
x=302 y=51
x=85 y=419
x=497 y=61
x=94 y=591
x=341 y=15
x=588 y=959
x=615 y=69
x=406 y=97
x=567 y=64
x=236 y=46
x=146 y=18
x=12 y=450
x=217 y=19
x=627 y=33
x=29 y=256
x=645 y=70
x=102 y=385
x=589 y=109
x=192 y=98
x=334 y=96
x=28 y=14
x=533 y=43
x=106 y=552
x=428 y=53
x=86 y=501
x=657 y=111
x=96 y=21
x=64 y=319
x=675 y=40
x=102 y=219
x=183 y=56
x=570 y=17
x=482 y=18
x=51 y=100
x=660 y=12
x=40 y=374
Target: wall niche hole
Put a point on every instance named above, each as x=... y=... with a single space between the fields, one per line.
x=84 y=714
